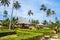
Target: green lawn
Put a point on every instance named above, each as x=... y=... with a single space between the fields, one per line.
x=27 y=33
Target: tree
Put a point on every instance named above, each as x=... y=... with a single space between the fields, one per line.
x=5 y=3
x=30 y=13
x=6 y=22
x=35 y=21
x=5 y=14
x=43 y=7
x=16 y=5
x=45 y=22
x=49 y=12
x=14 y=21
x=11 y=16
x=57 y=23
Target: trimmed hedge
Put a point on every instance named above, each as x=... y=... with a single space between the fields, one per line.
x=7 y=33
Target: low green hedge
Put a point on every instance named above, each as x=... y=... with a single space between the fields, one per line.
x=5 y=33
x=27 y=34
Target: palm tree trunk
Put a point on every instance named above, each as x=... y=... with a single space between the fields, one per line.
x=11 y=17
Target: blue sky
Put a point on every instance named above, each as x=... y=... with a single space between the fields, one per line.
x=34 y=5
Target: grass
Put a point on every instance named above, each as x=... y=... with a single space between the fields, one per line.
x=27 y=33
x=59 y=35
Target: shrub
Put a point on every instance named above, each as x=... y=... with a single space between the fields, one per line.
x=4 y=33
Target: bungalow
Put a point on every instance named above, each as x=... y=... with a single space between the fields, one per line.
x=43 y=26
x=23 y=23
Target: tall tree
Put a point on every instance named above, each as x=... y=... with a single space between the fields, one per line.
x=43 y=7
x=57 y=23
x=30 y=13
x=35 y=21
x=5 y=14
x=45 y=22
x=49 y=12
x=11 y=15
x=5 y=3
x=16 y=5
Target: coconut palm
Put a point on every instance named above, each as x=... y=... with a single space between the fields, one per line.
x=30 y=13
x=43 y=7
x=45 y=22
x=35 y=21
x=16 y=5
x=57 y=22
x=50 y=12
x=5 y=14
x=5 y=3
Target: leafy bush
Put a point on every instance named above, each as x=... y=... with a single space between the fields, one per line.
x=26 y=33
x=4 y=33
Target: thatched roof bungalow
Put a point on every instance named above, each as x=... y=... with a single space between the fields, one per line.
x=24 y=23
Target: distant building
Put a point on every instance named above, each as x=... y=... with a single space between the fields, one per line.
x=23 y=23
x=42 y=26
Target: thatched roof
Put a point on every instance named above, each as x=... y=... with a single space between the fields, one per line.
x=22 y=20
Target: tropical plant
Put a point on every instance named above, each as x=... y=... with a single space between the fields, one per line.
x=16 y=5
x=57 y=23
x=5 y=14
x=11 y=15
x=45 y=22
x=43 y=7
x=35 y=21
x=5 y=3
x=30 y=13
x=6 y=22
x=50 y=12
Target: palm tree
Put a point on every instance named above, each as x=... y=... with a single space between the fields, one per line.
x=14 y=21
x=5 y=3
x=30 y=13
x=45 y=22
x=16 y=5
x=35 y=21
x=5 y=14
x=11 y=16
x=57 y=22
x=50 y=12
x=43 y=7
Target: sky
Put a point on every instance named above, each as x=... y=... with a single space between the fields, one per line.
x=35 y=6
